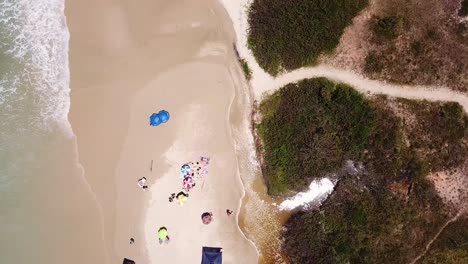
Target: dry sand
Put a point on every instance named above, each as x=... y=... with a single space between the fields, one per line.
x=129 y=59
x=199 y=126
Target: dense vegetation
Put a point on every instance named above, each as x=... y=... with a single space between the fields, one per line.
x=291 y=34
x=373 y=63
x=365 y=223
x=309 y=129
x=451 y=247
x=388 y=212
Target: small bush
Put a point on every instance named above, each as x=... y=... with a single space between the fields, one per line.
x=387 y=27
x=417 y=48
x=246 y=69
x=373 y=63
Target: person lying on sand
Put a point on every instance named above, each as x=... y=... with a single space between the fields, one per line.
x=142 y=183
x=204 y=160
x=163 y=236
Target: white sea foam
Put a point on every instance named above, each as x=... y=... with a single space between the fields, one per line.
x=318 y=191
x=35 y=38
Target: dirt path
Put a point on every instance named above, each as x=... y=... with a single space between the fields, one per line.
x=361 y=84
x=451 y=220
x=262 y=82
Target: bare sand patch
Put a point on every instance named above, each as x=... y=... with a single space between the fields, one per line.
x=452 y=187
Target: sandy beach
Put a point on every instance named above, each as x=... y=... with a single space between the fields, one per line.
x=128 y=60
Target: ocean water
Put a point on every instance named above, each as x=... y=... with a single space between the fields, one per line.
x=47 y=212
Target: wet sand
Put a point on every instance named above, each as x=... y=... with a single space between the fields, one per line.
x=129 y=59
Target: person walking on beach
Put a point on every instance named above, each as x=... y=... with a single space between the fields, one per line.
x=229 y=212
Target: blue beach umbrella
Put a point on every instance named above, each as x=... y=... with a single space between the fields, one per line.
x=164 y=116
x=155 y=120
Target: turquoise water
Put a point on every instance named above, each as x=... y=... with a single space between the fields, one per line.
x=47 y=214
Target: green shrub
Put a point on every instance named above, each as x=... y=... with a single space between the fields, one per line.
x=292 y=34
x=416 y=169
x=246 y=69
x=387 y=27
x=373 y=63
x=417 y=48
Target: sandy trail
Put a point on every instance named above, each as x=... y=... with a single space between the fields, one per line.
x=262 y=83
x=365 y=85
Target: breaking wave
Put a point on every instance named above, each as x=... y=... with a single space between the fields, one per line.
x=34 y=70
x=318 y=191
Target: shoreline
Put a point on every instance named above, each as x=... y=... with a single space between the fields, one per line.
x=240 y=77
x=238 y=95
x=91 y=192
x=262 y=221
